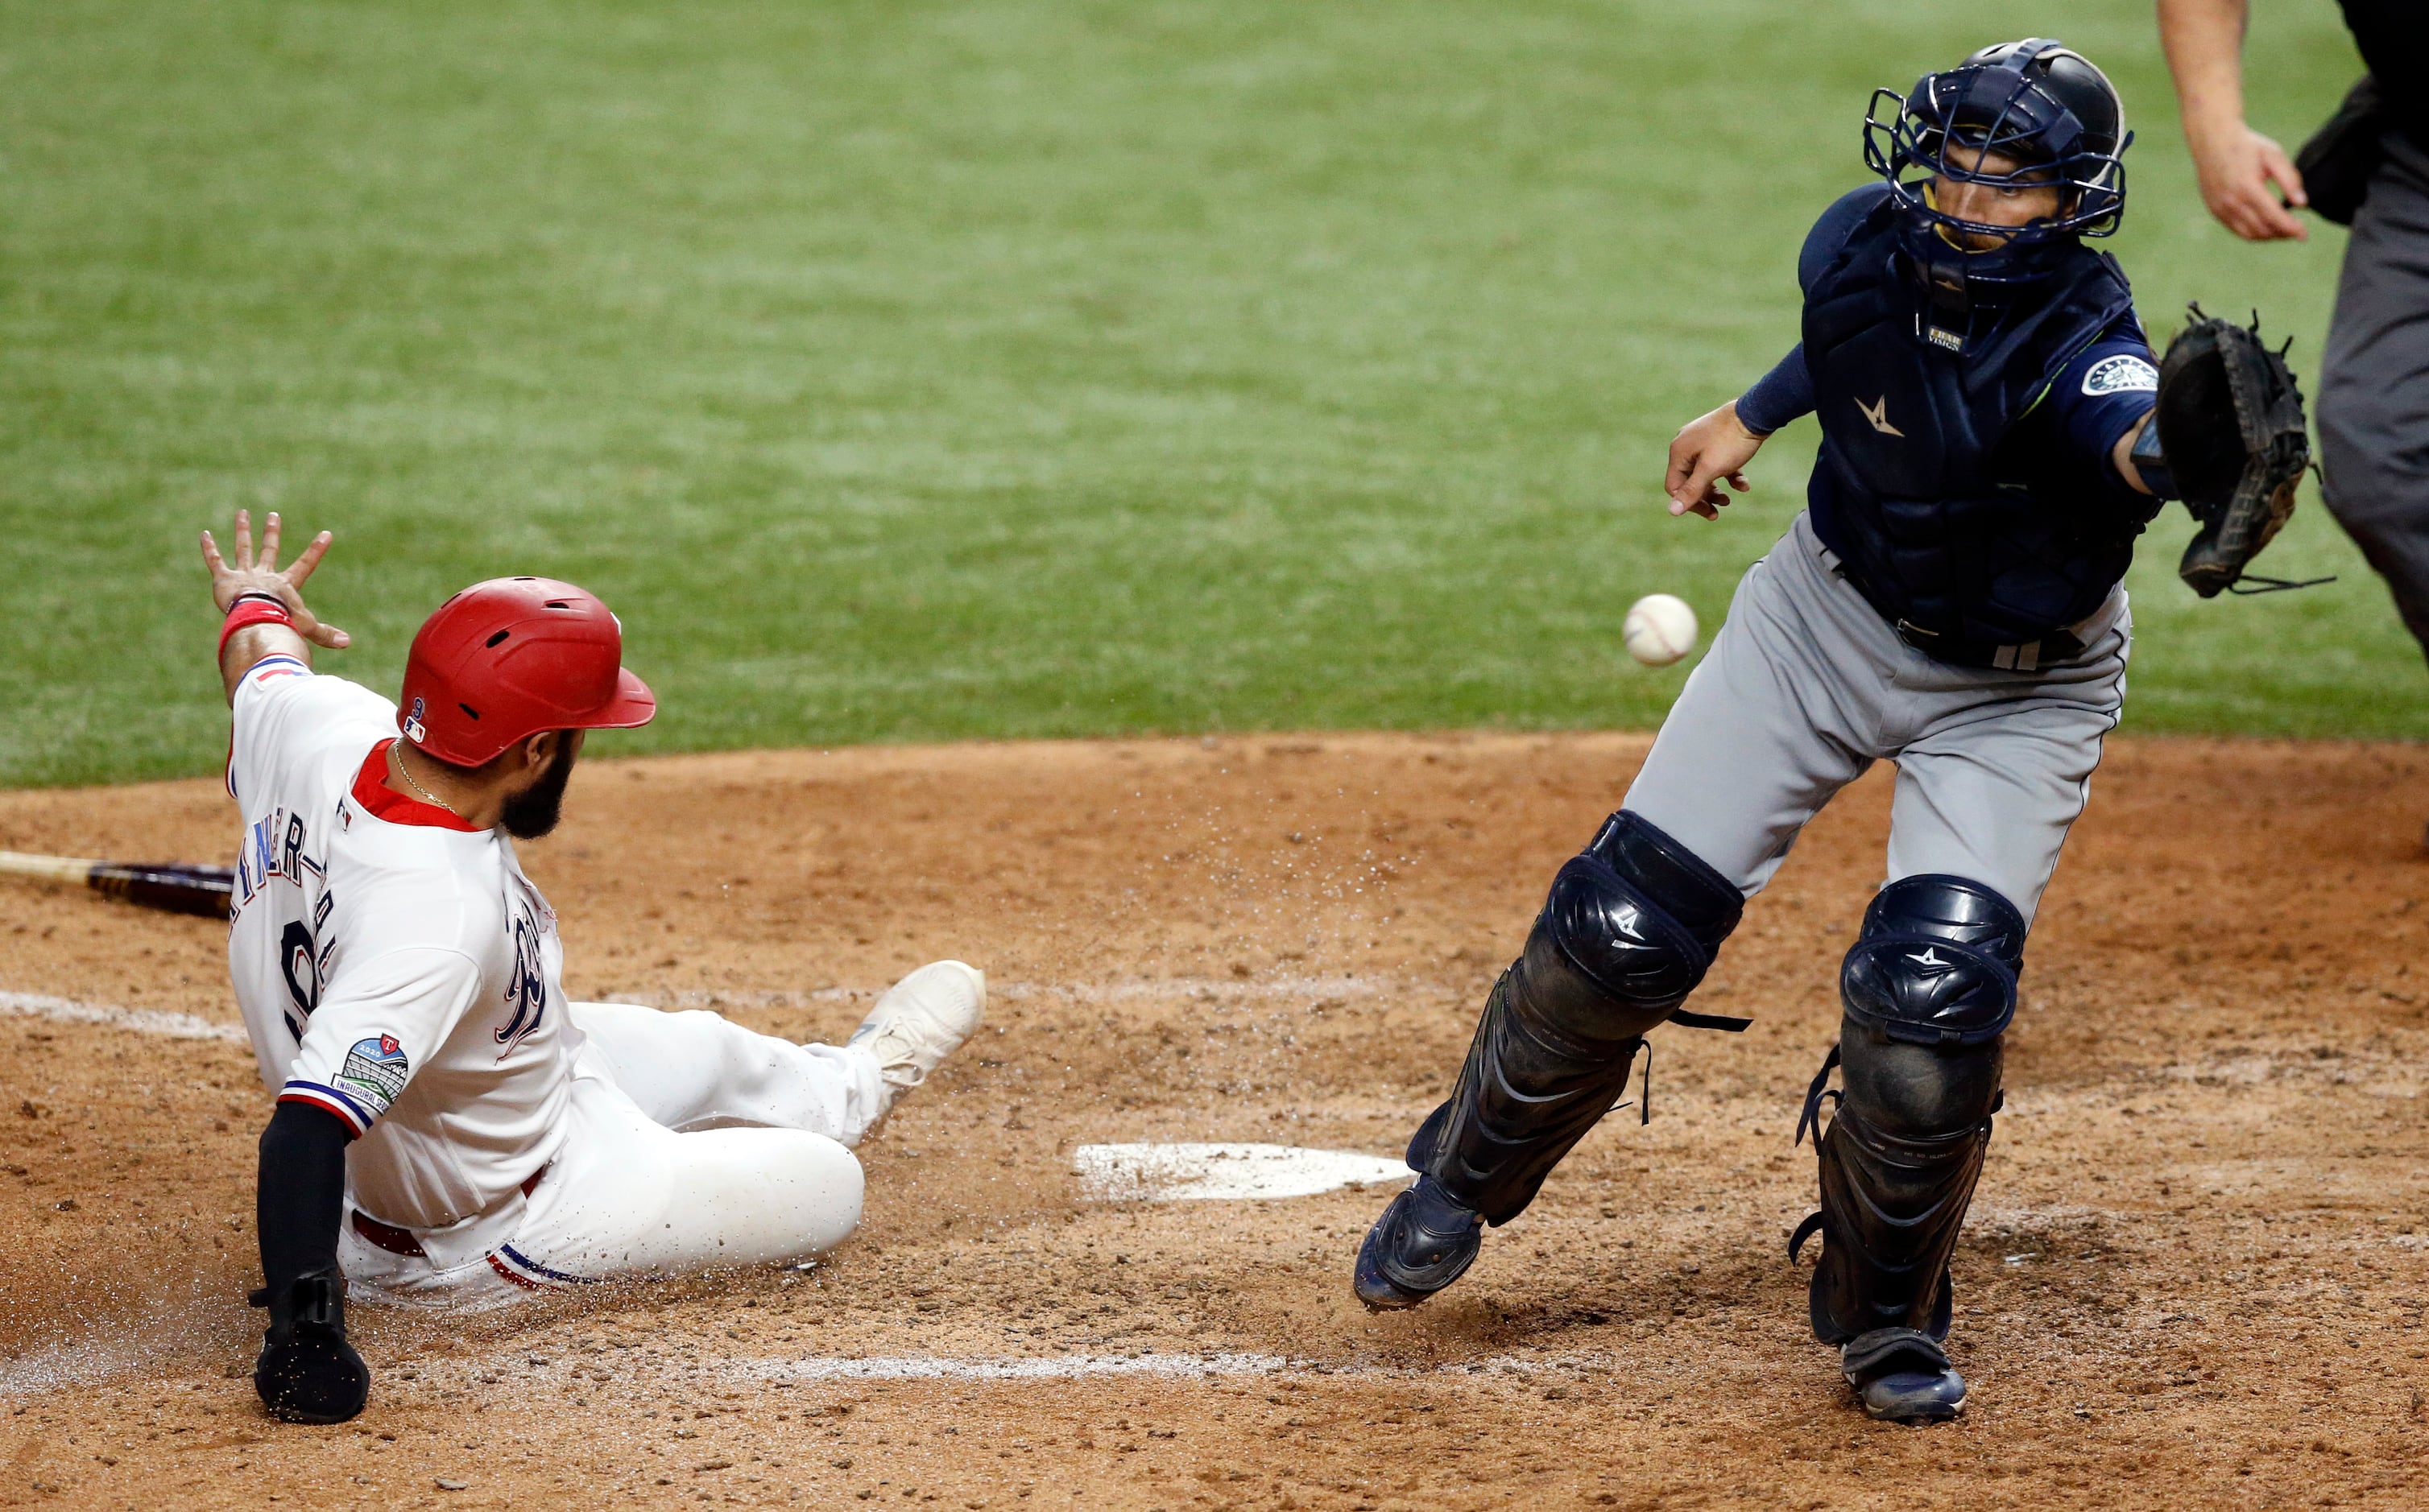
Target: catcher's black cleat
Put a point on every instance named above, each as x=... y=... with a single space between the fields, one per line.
x=1903 y=1375
x=1426 y=1239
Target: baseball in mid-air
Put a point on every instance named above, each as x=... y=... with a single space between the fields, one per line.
x=1659 y=628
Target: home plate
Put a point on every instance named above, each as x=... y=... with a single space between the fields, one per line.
x=1187 y=1173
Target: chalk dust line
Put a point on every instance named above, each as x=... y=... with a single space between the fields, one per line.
x=138 y=1020
x=1233 y=990
x=190 y=1026
x=1172 y=1367
x=1008 y=1368
x=651 y=1372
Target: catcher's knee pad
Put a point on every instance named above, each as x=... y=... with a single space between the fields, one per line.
x=1629 y=930
x=1928 y=989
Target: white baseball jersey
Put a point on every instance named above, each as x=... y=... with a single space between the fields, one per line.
x=394 y=965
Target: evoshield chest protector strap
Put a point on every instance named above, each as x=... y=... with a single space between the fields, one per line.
x=1630 y=929
x=1927 y=988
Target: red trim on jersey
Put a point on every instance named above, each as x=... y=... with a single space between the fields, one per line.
x=328 y=1102
x=510 y=1273
x=382 y=801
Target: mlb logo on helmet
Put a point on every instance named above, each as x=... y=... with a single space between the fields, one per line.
x=413 y=726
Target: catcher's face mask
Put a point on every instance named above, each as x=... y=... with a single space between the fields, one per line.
x=2021 y=121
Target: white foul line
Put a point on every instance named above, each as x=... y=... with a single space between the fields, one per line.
x=1007 y=1367
x=190 y=1026
x=780 y=1371
x=141 y=1020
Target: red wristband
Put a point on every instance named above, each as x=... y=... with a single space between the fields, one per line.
x=252 y=609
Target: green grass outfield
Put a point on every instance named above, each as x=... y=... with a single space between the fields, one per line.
x=1005 y=368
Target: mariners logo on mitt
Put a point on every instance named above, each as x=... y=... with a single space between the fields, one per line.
x=2230 y=425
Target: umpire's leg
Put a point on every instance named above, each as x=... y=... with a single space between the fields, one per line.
x=2374 y=383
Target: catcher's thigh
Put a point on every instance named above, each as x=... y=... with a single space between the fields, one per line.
x=630 y=1197
x=2000 y=773
x=1781 y=714
x=698 y=1070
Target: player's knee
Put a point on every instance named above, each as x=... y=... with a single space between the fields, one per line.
x=829 y=1188
x=1928 y=988
x=806 y=1194
x=1630 y=929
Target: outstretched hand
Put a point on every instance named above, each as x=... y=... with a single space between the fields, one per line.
x=1709 y=448
x=251 y=574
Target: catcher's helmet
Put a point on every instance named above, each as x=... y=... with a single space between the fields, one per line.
x=2039 y=104
x=512 y=657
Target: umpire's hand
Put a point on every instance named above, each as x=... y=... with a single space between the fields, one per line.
x=307 y=1373
x=2246 y=180
x=1712 y=447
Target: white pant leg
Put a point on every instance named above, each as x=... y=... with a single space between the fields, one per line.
x=696 y=1070
x=632 y=1197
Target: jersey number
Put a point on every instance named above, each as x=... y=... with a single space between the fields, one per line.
x=528 y=991
x=302 y=975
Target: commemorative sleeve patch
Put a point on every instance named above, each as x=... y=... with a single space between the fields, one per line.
x=2121 y=374
x=375 y=1073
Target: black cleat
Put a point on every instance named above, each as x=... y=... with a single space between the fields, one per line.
x=1903 y=1375
x=1426 y=1239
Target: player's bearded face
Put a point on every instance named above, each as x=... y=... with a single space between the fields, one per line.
x=533 y=812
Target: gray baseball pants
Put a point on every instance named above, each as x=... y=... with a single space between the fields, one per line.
x=2374 y=383
x=1805 y=687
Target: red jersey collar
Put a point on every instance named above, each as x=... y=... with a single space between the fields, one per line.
x=382 y=801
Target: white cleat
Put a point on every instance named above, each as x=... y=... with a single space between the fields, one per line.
x=922 y=1019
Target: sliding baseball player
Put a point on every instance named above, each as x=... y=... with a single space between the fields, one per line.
x=449 y=1128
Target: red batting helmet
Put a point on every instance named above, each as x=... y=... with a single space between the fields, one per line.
x=512 y=657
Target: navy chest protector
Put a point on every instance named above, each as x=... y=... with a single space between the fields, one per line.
x=1925 y=489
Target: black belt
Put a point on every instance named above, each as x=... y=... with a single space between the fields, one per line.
x=2024 y=656
x=1957 y=650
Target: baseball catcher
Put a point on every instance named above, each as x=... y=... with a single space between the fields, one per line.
x=1950 y=599
x=449 y=1129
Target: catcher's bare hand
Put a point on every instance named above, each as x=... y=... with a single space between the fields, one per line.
x=1706 y=450
x=261 y=574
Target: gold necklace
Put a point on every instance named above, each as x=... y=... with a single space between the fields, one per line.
x=402 y=770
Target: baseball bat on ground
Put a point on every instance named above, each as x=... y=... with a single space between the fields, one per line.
x=176 y=886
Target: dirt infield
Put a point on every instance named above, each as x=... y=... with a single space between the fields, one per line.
x=2194 y=1277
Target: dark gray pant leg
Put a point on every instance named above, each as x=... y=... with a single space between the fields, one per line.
x=2374 y=385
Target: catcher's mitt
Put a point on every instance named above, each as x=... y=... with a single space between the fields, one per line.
x=2230 y=423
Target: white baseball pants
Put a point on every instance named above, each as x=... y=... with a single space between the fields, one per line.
x=693 y=1143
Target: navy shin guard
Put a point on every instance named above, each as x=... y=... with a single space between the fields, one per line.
x=1629 y=931
x=1928 y=990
